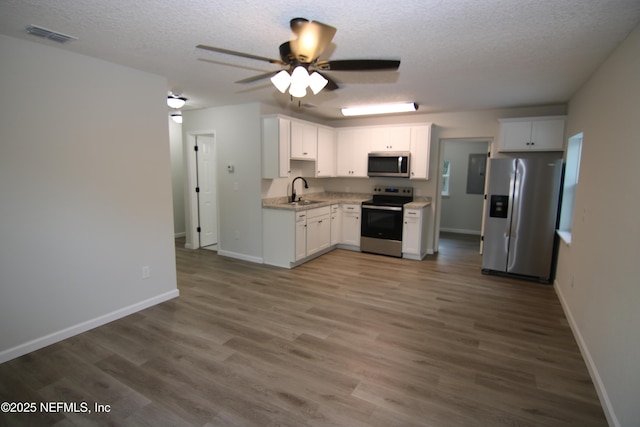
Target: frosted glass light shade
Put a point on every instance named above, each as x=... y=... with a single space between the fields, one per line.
x=281 y=80
x=299 y=82
x=176 y=102
x=177 y=118
x=317 y=82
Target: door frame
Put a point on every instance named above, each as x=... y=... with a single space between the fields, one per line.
x=438 y=189
x=192 y=236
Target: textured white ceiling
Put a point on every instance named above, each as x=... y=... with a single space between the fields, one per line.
x=456 y=54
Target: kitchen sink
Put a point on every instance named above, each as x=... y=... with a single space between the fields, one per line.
x=305 y=202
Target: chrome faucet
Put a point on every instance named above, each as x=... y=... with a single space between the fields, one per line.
x=293 y=190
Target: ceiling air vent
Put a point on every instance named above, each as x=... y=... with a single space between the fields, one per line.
x=48 y=34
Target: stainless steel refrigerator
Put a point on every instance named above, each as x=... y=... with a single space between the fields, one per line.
x=521 y=217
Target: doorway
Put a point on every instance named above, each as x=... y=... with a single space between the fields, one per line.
x=463 y=166
x=203 y=191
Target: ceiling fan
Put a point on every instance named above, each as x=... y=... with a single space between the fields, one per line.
x=301 y=63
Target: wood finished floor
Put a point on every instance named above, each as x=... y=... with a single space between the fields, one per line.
x=348 y=339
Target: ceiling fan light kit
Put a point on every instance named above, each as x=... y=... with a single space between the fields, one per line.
x=176 y=117
x=366 y=110
x=298 y=82
x=176 y=101
x=301 y=56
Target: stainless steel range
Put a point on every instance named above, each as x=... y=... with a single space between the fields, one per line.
x=381 y=226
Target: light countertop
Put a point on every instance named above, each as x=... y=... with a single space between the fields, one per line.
x=331 y=198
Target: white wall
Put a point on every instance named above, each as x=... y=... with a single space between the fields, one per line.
x=598 y=277
x=85 y=187
x=237 y=132
x=461 y=212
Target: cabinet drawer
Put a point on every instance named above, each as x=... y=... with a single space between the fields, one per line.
x=413 y=213
x=351 y=208
x=301 y=216
x=312 y=213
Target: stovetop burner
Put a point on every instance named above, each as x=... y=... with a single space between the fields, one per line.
x=390 y=196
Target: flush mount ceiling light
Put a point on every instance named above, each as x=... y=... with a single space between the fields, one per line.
x=177 y=118
x=380 y=109
x=176 y=101
x=299 y=81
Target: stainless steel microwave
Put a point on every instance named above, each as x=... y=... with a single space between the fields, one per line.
x=393 y=164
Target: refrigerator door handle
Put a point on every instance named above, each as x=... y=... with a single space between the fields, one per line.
x=517 y=196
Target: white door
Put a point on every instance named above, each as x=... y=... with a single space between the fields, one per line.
x=207 y=197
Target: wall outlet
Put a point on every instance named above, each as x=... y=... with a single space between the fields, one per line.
x=146 y=272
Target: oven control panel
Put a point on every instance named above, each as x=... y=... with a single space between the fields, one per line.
x=393 y=191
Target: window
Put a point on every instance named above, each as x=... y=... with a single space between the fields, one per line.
x=571 y=173
x=446 y=173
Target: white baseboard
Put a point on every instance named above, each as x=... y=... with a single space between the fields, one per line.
x=591 y=367
x=58 y=336
x=178 y=235
x=243 y=257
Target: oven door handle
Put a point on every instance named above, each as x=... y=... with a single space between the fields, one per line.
x=383 y=208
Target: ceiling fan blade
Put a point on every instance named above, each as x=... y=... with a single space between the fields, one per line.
x=258 y=77
x=241 y=54
x=358 y=65
x=313 y=38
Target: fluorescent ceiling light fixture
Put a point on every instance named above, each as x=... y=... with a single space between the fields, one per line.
x=380 y=109
x=298 y=82
x=177 y=118
x=176 y=101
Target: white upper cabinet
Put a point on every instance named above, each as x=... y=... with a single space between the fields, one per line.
x=326 y=158
x=304 y=140
x=276 y=139
x=352 y=152
x=340 y=152
x=390 y=138
x=420 y=151
x=532 y=134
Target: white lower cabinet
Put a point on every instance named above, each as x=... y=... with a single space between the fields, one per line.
x=336 y=225
x=318 y=229
x=290 y=238
x=301 y=235
x=415 y=233
x=351 y=224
